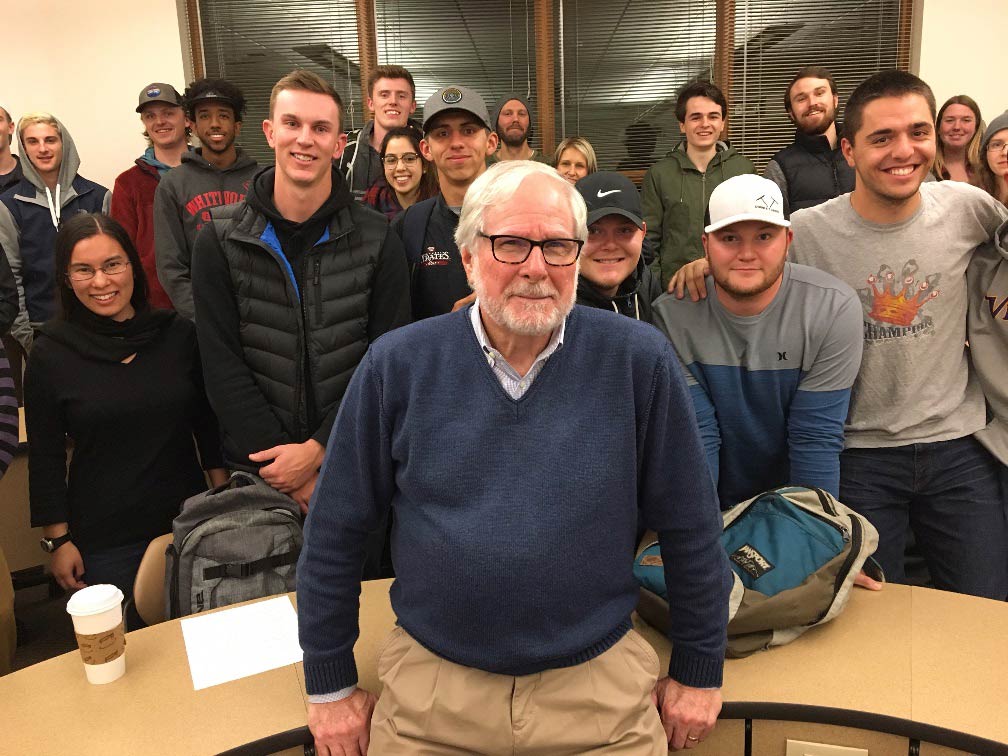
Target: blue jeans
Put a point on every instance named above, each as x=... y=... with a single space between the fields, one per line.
x=949 y=492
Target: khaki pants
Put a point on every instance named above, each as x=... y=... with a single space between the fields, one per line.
x=432 y=706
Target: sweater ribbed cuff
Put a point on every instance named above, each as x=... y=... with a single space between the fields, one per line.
x=325 y=677
x=694 y=670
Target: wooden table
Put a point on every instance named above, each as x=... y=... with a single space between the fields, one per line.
x=902 y=665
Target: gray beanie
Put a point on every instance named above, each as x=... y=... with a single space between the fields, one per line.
x=504 y=101
x=998 y=124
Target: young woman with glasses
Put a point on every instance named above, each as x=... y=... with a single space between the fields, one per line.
x=408 y=177
x=123 y=384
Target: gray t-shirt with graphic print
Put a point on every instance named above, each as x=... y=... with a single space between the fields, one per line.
x=915 y=384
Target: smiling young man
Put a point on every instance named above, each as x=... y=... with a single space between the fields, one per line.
x=904 y=245
x=392 y=99
x=457 y=139
x=218 y=173
x=676 y=188
x=613 y=275
x=30 y=213
x=166 y=129
x=290 y=287
x=812 y=169
x=769 y=355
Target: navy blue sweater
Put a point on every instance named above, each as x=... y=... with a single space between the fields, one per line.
x=515 y=520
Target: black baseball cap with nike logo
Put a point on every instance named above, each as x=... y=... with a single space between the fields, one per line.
x=610 y=193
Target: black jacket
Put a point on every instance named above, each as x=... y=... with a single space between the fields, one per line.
x=809 y=172
x=633 y=298
x=282 y=331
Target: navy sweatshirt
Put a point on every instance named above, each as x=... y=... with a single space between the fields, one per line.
x=515 y=520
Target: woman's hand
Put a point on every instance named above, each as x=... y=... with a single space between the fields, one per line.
x=67 y=566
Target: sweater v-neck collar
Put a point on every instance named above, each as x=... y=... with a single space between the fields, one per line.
x=488 y=354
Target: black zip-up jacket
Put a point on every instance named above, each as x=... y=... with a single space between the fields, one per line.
x=633 y=298
x=809 y=172
x=281 y=330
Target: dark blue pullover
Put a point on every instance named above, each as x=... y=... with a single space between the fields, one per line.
x=515 y=520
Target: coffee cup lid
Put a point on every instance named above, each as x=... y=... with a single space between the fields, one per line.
x=94 y=599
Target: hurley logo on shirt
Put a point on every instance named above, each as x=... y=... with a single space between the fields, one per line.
x=433 y=257
x=893 y=308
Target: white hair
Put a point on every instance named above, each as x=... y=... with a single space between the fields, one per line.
x=498 y=184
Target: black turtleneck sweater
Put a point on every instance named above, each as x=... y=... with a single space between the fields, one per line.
x=132 y=427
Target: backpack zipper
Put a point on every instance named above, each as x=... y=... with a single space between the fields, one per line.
x=852 y=555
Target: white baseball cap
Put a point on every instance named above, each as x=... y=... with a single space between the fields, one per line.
x=745 y=198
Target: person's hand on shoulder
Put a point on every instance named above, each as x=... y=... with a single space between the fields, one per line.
x=342 y=728
x=688 y=714
x=690 y=277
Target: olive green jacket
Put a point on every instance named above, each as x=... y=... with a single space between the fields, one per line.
x=674 y=199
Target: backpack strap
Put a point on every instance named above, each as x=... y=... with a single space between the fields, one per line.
x=415 y=220
x=247 y=569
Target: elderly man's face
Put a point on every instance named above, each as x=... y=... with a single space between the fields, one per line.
x=531 y=298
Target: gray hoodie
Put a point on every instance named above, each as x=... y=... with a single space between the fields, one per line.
x=30 y=214
x=987 y=329
x=182 y=206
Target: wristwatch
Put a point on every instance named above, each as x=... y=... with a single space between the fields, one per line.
x=49 y=545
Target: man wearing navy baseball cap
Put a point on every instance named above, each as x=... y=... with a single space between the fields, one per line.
x=613 y=275
x=769 y=355
x=458 y=138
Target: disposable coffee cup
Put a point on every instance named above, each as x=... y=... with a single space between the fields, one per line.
x=98 y=624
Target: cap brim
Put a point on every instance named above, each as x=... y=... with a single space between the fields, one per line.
x=771 y=218
x=158 y=99
x=436 y=113
x=594 y=215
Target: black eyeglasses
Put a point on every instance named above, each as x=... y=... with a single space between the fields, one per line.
x=86 y=272
x=514 y=250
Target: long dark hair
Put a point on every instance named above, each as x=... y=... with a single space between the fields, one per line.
x=77 y=229
x=428 y=179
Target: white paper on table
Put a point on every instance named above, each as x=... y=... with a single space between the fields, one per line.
x=235 y=643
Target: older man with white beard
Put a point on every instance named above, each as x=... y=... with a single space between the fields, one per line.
x=517 y=462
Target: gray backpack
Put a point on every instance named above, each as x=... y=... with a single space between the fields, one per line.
x=233 y=543
x=794 y=554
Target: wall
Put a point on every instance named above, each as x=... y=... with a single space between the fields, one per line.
x=86 y=63
x=963 y=51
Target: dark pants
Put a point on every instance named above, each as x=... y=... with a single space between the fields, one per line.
x=949 y=492
x=117 y=566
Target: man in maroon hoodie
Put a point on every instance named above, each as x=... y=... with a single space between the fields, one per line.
x=167 y=131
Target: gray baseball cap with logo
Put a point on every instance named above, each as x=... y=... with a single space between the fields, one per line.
x=456 y=98
x=158 y=92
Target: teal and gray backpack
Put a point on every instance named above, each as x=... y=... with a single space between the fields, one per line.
x=233 y=543
x=794 y=554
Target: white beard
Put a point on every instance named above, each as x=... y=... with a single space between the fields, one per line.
x=532 y=318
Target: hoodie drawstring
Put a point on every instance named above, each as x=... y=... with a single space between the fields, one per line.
x=54 y=208
x=636 y=306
